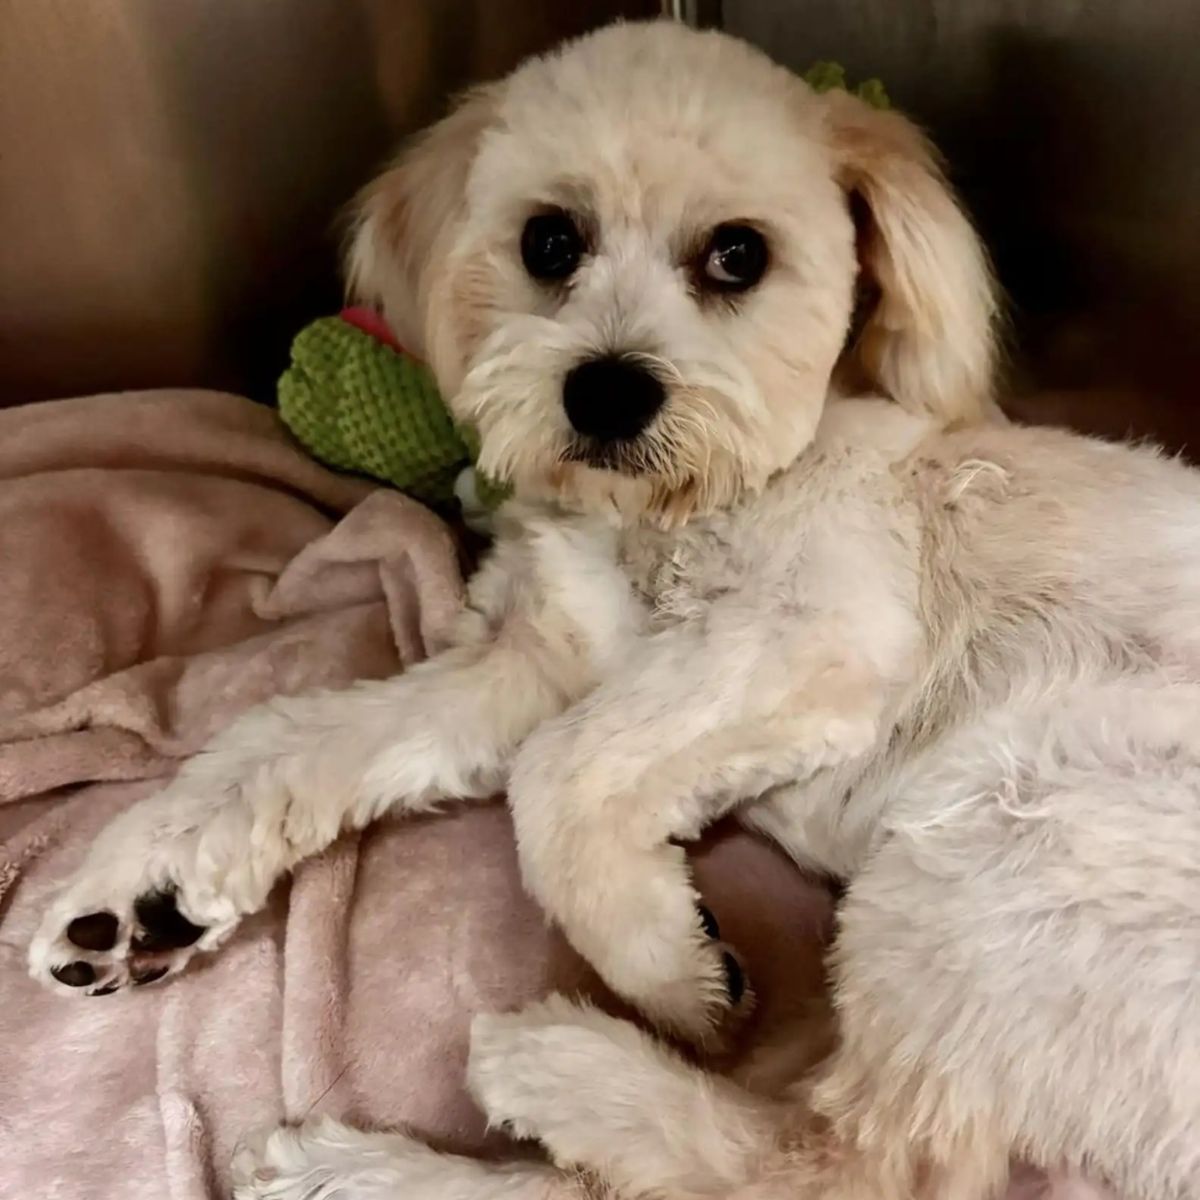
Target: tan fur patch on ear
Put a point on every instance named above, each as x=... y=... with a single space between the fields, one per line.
x=925 y=333
x=403 y=216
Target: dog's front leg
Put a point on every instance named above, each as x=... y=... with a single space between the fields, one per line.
x=703 y=719
x=175 y=873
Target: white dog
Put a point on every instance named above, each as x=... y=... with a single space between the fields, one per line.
x=955 y=663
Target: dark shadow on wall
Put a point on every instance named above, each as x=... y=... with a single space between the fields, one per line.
x=1083 y=169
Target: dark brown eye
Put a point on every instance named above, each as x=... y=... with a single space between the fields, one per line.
x=735 y=259
x=551 y=245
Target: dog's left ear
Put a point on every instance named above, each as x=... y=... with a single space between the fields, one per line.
x=403 y=217
x=929 y=341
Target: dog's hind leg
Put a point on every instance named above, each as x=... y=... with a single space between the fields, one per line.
x=605 y=1097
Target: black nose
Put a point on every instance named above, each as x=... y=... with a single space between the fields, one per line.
x=611 y=399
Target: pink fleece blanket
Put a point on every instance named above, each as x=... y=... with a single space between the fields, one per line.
x=169 y=559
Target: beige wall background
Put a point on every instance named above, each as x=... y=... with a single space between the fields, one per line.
x=170 y=170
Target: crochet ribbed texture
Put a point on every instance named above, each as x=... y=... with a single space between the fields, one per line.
x=359 y=405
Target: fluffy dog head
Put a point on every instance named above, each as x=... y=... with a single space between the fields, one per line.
x=634 y=263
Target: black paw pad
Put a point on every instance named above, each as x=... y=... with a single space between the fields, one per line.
x=735 y=979
x=709 y=923
x=164 y=927
x=95 y=931
x=75 y=974
x=107 y=990
x=149 y=976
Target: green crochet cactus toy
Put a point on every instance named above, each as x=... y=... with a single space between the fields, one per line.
x=359 y=402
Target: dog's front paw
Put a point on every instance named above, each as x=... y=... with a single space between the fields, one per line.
x=656 y=948
x=683 y=977
x=141 y=905
x=95 y=944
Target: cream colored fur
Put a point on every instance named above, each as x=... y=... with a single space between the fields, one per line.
x=954 y=663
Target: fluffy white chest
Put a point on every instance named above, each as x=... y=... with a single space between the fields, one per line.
x=813 y=530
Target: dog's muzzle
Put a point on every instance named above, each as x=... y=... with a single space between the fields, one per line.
x=611 y=399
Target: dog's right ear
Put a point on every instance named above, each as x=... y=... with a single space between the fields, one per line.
x=401 y=218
